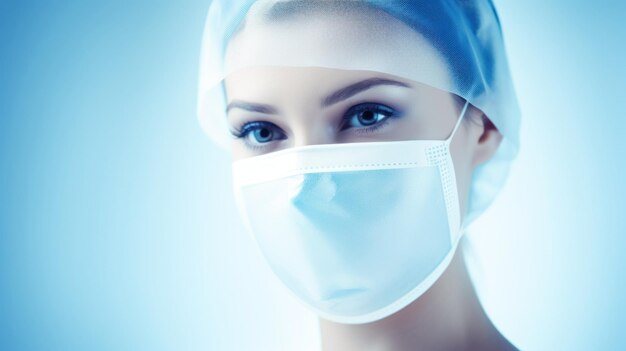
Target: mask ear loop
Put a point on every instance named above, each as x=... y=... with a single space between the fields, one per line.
x=458 y=123
x=447 y=143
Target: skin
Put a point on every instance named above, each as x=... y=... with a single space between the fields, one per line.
x=449 y=315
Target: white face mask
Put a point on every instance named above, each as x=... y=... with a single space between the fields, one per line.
x=357 y=230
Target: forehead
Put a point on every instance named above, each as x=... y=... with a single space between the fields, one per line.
x=348 y=37
x=265 y=80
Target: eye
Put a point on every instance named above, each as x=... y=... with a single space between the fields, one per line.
x=366 y=115
x=257 y=133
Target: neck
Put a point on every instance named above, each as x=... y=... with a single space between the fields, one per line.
x=448 y=316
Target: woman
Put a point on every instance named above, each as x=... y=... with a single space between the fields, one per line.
x=366 y=136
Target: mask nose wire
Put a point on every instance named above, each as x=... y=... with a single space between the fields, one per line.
x=458 y=123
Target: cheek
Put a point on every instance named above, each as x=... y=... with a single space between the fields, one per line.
x=238 y=150
x=418 y=124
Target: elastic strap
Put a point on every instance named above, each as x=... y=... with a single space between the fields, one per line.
x=458 y=123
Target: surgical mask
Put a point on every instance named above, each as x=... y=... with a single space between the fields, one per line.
x=357 y=231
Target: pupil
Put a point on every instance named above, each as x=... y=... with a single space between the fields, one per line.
x=264 y=133
x=367 y=117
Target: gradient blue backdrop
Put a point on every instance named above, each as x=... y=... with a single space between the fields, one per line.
x=118 y=232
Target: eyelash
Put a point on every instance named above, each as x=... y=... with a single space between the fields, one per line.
x=388 y=112
x=245 y=130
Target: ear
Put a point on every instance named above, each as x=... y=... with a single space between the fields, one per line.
x=488 y=141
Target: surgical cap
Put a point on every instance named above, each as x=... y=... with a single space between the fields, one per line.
x=466 y=34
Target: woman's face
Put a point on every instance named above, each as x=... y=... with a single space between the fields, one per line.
x=275 y=108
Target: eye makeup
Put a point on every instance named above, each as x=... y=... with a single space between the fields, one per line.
x=361 y=118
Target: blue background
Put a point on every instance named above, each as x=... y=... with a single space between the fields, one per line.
x=117 y=227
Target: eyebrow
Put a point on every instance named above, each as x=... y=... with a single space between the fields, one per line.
x=252 y=107
x=353 y=89
x=335 y=97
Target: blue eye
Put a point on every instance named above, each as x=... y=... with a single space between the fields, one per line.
x=366 y=115
x=259 y=132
